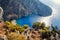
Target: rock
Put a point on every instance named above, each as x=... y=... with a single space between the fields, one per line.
x=1 y=13
x=22 y=8
x=13 y=22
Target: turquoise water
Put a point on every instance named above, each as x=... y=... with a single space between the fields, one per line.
x=29 y=20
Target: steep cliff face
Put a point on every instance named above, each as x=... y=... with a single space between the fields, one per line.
x=20 y=8
x=1 y=13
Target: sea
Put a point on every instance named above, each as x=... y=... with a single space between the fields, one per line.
x=29 y=20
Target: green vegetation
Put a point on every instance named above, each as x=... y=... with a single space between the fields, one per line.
x=25 y=26
x=14 y=27
x=18 y=32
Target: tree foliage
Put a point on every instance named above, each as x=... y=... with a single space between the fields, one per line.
x=45 y=32
x=14 y=27
x=25 y=26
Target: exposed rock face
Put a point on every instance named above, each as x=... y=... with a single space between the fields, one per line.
x=21 y=8
x=1 y=13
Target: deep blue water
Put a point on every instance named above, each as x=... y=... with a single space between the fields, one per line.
x=29 y=20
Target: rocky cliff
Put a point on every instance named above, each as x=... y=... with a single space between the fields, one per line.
x=14 y=9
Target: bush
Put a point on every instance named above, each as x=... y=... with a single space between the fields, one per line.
x=15 y=36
